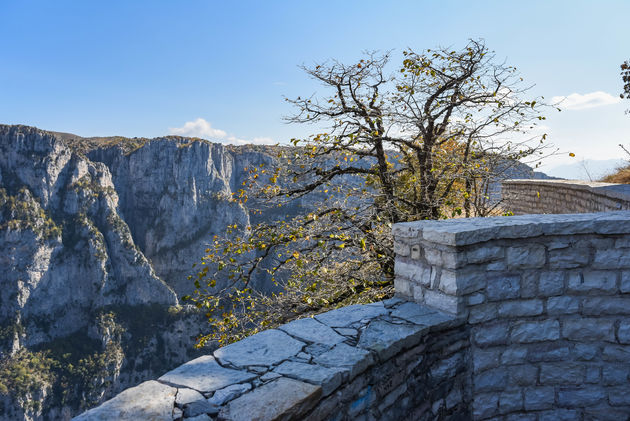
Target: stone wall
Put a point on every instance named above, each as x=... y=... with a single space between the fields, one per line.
x=504 y=318
x=547 y=299
x=391 y=360
x=563 y=196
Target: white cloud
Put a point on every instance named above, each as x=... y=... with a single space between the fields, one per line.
x=202 y=128
x=198 y=128
x=581 y=102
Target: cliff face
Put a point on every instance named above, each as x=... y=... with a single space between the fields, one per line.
x=94 y=228
x=63 y=243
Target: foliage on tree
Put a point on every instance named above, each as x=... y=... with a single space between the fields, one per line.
x=424 y=143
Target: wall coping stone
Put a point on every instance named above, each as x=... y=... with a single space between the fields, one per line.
x=618 y=191
x=280 y=373
x=466 y=231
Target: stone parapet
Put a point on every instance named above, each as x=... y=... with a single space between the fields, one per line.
x=547 y=298
x=388 y=361
x=563 y=196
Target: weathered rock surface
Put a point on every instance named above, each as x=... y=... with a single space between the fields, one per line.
x=148 y=401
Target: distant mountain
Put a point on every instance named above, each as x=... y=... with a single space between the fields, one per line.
x=587 y=169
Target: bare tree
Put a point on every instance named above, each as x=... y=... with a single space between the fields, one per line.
x=423 y=143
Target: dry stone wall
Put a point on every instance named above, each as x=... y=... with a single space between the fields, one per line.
x=505 y=318
x=390 y=360
x=547 y=299
x=563 y=196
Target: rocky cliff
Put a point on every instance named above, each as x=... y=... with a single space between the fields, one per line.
x=95 y=228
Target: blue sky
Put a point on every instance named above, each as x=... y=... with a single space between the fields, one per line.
x=147 y=68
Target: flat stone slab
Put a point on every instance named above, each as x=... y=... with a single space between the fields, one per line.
x=204 y=374
x=345 y=316
x=311 y=330
x=148 y=401
x=355 y=360
x=387 y=339
x=269 y=347
x=413 y=312
x=222 y=396
x=186 y=396
x=281 y=399
x=328 y=378
x=464 y=231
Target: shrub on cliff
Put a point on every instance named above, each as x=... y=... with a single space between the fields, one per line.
x=423 y=143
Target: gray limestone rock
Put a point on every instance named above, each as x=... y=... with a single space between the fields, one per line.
x=329 y=378
x=186 y=396
x=269 y=347
x=355 y=360
x=387 y=339
x=281 y=399
x=226 y=394
x=345 y=316
x=310 y=330
x=204 y=374
x=148 y=401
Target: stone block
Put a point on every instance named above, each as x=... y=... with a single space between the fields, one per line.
x=537 y=398
x=574 y=257
x=484 y=254
x=268 y=348
x=503 y=287
x=616 y=353
x=593 y=374
x=619 y=396
x=484 y=359
x=529 y=284
x=526 y=257
x=327 y=377
x=413 y=312
x=611 y=259
x=551 y=283
x=412 y=270
x=345 y=316
x=615 y=373
x=204 y=374
x=401 y=249
x=562 y=373
x=488 y=335
x=510 y=401
x=559 y=415
x=354 y=360
x=312 y=331
x=588 y=330
x=606 y=305
x=520 y=308
x=475 y=299
x=586 y=352
x=416 y=253
x=514 y=354
x=623 y=333
x=625 y=282
x=562 y=305
x=491 y=380
x=485 y=405
x=442 y=301
x=581 y=397
x=483 y=313
x=601 y=281
x=148 y=400
x=279 y=399
x=548 y=352
x=527 y=332
x=387 y=339
x=523 y=375
x=404 y=287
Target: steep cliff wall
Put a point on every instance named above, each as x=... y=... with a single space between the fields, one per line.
x=102 y=228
